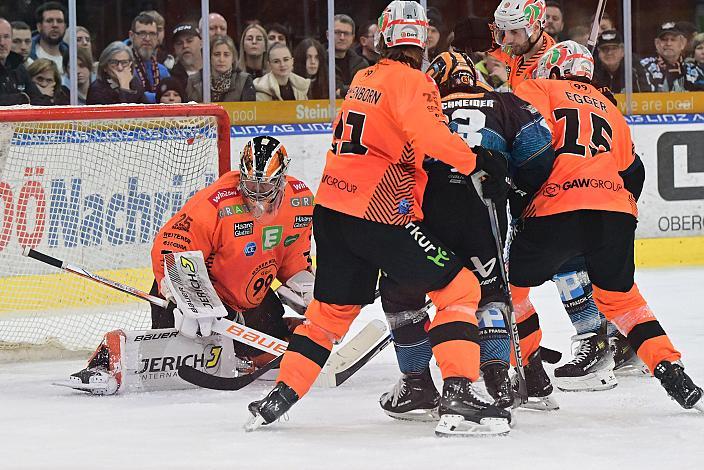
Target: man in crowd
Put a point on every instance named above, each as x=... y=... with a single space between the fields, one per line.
x=347 y=61
x=217 y=25
x=554 y=20
x=365 y=36
x=189 y=55
x=665 y=71
x=49 y=44
x=22 y=40
x=15 y=85
x=609 y=70
x=144 y=37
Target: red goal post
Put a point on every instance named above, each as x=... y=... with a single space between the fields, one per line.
x=92 y=185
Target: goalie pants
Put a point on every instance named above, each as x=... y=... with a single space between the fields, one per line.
x=606 y=240
x=266 y=317
x=351 y=251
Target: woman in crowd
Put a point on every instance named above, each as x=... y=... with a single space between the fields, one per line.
x=85 y=73
x=227 y=82
x=253 y=52
x=116 y=82
x=46 y=77
x=281 y=83
x=310 y=61
x=170 y=91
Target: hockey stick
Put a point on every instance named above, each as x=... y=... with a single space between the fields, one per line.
x=215 y=382
x=509 y=314
x=594 y=34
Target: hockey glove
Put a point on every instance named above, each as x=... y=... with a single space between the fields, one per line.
x=165 y=291
x=297 y=292
x=494 y=163
x=189 y=323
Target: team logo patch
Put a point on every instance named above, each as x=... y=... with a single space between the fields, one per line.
x=250 y=248
x=243 y=229
x=271 y=236
x=302 y=221
x=290 y=240
x=551 y=190
x=223 y=194
x=404 y=207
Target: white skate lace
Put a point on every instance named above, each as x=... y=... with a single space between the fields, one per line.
x=397 y=391
x=581 y=348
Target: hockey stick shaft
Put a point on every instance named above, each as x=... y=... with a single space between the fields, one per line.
x=591 y=42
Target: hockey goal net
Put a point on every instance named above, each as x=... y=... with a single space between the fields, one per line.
x=92 y=185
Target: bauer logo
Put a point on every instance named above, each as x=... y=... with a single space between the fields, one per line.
x=242 y=229
x=250 y=248
x=681 y=165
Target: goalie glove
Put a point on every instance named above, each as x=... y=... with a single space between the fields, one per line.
x=297 y=292
x=189 y=323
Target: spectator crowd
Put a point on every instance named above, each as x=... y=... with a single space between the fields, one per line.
x=264 y=64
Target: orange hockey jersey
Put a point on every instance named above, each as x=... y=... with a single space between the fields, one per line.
x=520 y=69
x=592 y=144
x=390 y=120
x=243 y=255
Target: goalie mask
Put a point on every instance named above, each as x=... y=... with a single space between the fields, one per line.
x=453 y=72
x=403 y=23
x=567 y=59
x=263 y=167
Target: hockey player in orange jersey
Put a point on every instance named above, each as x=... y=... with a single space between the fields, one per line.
x=368 y=217
x=587 y=207
x=253 y=226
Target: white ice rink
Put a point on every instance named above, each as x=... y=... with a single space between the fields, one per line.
x=634 y=426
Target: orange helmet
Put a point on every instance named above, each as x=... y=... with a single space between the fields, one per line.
x=263 y=167
x=453 y=72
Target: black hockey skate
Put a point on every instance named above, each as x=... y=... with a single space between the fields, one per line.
x=94 y=379
x=413 y=398
x=271 y=407
x=538 y=385
x=498 y=384
x=463 y=413
x=626 y=361
x=592 y=367
x=679 y=385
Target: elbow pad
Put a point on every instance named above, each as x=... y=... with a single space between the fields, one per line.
x=634 y=177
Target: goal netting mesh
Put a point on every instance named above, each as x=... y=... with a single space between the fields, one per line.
x=92 y=186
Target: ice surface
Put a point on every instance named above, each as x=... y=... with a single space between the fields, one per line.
x=634 y=426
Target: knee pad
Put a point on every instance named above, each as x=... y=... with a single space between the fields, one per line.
x=575 y=290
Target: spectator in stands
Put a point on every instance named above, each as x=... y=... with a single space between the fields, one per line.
x=116 y=82
x=22 y=40
x=609 y=65
x=149 y=72
x=281 y=83
x=689 y=30
x=189 y=53
x=46 y=77
x=83 y=39
x=170 y=91
x=227 y=82
x=579 y=34
x=606 y=24
x=51 y=24
x=217 y=25
x=437 y=33
x=84 y=73
x=310 y=61
x=276 y=32
x=665 y=71
x=554 y=20
x=366 y=35
x=253 y=50
x=694 y=77
x=347 y=61
x=15 y=85
x=162 y=54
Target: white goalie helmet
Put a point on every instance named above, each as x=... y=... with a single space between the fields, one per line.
x=569 y=58
x=402 y=23
x=518 y=14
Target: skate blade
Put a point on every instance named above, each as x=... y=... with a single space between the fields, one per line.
x=95 y=388
x=415 y=415
x=594 y=382
x=699 y=405
x=456 y=425
x=540 y=404
x=632 y=370
x=253 y=423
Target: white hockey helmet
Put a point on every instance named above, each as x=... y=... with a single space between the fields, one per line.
x=518 y=14
x=569 y=58
x=402 y=23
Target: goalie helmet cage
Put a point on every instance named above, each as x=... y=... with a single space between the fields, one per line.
x=92 y=185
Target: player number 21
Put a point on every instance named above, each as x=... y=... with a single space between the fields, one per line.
x=355 y=122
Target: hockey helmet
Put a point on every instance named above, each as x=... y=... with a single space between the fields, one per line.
x=518 y=14
x=263 y=167
x=569 y=59
x=453 y=72
x=402 y=23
